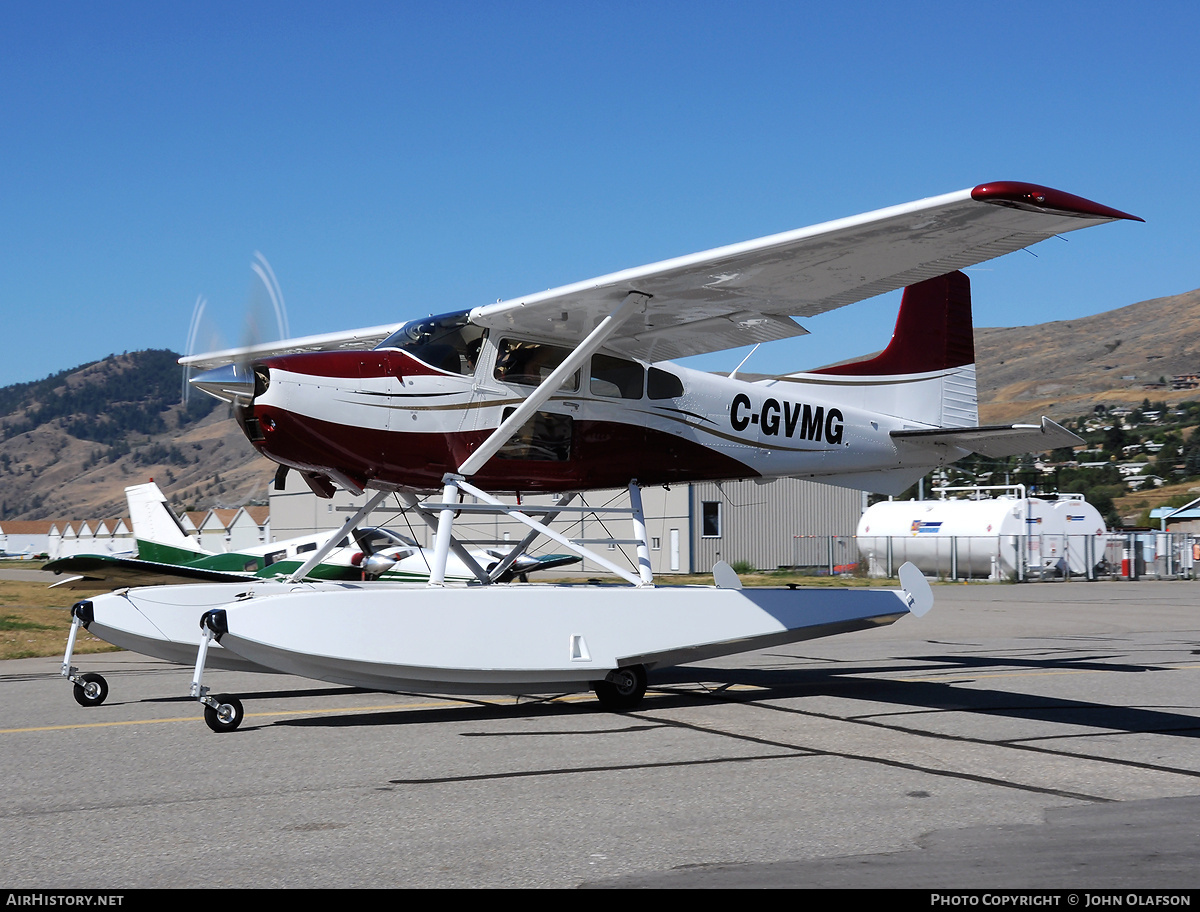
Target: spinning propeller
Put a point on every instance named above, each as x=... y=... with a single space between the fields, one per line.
x=235 y=380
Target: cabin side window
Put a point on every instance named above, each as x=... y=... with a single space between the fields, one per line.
x=661 y=384
x=616 y=378
x=529 y=363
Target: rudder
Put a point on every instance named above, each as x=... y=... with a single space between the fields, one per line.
x=926 y=374
x=933 y=332
x=157 y=531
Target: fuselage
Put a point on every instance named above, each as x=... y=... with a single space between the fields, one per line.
x=403 y=415
x=279 y=559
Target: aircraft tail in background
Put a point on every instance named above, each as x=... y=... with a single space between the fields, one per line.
x=156 y=529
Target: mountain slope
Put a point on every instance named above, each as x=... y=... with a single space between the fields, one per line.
x=1064 y=368
x=70 y=444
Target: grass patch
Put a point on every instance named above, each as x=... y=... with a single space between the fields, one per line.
x=12 y=622
x=35 y=620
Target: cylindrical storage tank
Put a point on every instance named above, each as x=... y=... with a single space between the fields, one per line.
x=1083 y=534
x=976 y=538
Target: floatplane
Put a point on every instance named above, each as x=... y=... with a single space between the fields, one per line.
x=575 y=389
x=165 y=555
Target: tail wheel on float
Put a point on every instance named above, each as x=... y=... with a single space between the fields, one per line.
x=226 y=716
x=623 y=689
x=91 y=690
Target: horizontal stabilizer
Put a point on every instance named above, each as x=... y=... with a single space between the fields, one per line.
x=997 y=440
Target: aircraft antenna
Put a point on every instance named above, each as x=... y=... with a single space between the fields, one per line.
x=733 y=373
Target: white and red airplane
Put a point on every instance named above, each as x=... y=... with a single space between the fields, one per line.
x=570 y=389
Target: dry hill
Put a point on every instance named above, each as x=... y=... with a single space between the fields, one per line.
x=1064 y=368
x=71 y=443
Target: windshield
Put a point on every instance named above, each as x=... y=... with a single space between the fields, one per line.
x=448 y=342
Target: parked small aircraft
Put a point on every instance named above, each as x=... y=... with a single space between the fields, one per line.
x=566 y=390
x=167 y=554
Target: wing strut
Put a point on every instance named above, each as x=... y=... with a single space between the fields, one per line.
x=633 y=302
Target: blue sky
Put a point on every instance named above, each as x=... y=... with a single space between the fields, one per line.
x=396 y=159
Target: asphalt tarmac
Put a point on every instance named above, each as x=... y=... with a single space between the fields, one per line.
x=1017 y=737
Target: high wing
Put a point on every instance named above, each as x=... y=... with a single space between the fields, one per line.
x=746 y=293
x=356 y=339
x=103 y=573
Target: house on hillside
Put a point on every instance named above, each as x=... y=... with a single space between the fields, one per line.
x=1137 y=482
x=1184 y=519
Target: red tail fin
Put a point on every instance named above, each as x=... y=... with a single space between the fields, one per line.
x=933 y=331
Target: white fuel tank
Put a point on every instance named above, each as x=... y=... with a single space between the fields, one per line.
x=991 y=538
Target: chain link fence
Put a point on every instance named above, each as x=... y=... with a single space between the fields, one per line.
x=1013 y=558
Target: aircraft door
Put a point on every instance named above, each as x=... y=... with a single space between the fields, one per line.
x=380 y=383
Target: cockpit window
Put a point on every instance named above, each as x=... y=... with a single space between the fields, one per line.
x=448 y=342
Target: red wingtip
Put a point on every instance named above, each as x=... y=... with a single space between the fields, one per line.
x=1043 y=199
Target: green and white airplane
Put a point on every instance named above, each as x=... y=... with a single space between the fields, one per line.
x=166 y=555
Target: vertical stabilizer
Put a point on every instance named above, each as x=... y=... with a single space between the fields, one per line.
x=157 y=531
x=927 y=373
x=933 y=332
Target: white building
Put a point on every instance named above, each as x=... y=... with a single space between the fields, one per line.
x=689 y=527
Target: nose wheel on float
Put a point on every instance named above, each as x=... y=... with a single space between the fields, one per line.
x=224 y=712
x=90 y=689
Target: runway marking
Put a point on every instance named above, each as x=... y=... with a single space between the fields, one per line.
x=427 y=704
x=47 y=728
